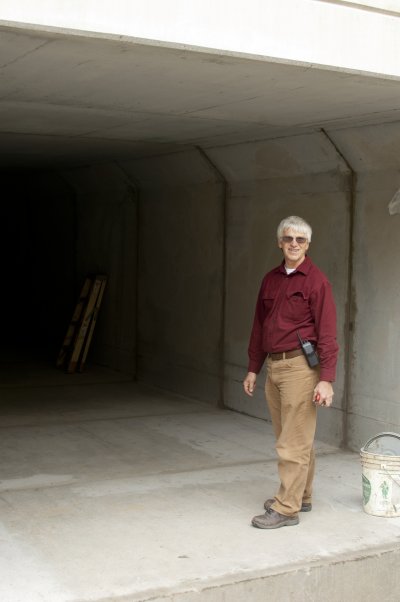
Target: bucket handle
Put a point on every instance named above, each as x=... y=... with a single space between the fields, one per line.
x=396 y=435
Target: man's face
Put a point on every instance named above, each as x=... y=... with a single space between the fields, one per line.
x=293 y=251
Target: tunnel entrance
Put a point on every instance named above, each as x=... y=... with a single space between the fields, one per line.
x=168 y=169
x=161 y=248
x=47 y=254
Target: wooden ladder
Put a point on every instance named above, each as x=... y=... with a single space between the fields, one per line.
x=75 y=347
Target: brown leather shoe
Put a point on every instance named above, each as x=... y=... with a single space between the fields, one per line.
x=274 y=520
x=305 y=506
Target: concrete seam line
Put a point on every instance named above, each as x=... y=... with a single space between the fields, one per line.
x=225 y=191
x=350 y=309
x=136 y=187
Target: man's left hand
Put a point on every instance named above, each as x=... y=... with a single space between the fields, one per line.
x=323 y=394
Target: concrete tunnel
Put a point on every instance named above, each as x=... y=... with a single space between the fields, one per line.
x=168 y=169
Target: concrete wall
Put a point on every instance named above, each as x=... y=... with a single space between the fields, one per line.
x=374 y=399
x=206 y=236
x=269 y=180
x=180 y=278
x=304 y=175
x=106 y=243
x=201 y=229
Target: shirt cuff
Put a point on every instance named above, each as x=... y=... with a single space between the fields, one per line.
x=327 y=374
x=255 y=366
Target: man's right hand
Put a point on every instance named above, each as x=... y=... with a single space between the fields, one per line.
x=249 y=383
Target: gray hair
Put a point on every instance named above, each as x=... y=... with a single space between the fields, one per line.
x=297 y=223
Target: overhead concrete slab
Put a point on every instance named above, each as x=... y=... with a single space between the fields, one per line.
x=114 y=492
x=361 y=35
x=91 y=97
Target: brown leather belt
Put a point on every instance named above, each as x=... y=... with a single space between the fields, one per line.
x=285 y=355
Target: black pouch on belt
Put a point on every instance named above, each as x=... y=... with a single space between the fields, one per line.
x=309 y=352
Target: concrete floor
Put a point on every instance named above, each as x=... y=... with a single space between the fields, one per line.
x=113 y=491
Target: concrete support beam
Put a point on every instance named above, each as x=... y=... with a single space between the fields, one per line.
x=342 y=35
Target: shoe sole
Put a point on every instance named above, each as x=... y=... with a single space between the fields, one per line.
x=290 y=522
x=304 y=508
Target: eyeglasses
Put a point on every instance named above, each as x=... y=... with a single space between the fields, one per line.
x=301 y=240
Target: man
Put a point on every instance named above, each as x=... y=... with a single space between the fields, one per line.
x=295 y=300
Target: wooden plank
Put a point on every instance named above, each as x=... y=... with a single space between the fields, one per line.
x=87 y=316
x=76 y=317
x=103 y=280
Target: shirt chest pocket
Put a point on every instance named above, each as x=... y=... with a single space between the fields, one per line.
x=268 y=302
x=298 y=307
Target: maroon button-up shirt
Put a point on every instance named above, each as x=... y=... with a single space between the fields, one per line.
x=301 y=301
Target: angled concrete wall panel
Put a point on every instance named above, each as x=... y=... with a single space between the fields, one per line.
x=180 y=273
x=269 y=180
x=374 y=401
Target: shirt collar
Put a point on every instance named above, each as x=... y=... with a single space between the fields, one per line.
x=303 y=268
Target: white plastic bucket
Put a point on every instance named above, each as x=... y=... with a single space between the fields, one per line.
x=381 y=475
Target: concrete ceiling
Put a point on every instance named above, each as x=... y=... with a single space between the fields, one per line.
x=69 y=99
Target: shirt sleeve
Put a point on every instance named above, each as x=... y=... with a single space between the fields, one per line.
x=324 y=314
x=256 y=354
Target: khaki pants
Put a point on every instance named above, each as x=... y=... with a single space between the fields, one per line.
x=289 y=392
